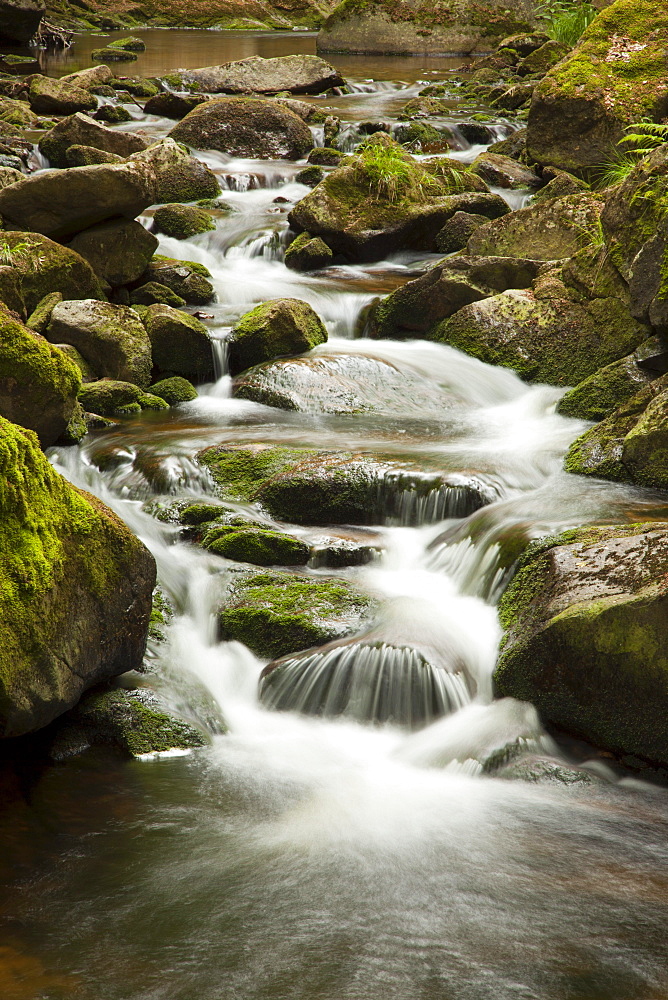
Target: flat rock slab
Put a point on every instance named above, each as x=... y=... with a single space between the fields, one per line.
x=299 y=74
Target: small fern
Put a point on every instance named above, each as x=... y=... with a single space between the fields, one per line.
x=642 y=139
x=20 y=255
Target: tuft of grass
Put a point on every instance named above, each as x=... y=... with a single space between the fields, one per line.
x=392 y=175
x=566 y=20
x=20 y=255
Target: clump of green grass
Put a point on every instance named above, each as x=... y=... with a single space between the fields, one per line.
x=20 y=255
x=392 y=175
x=566 y=20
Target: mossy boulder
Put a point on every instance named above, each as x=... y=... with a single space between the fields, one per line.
x=255 y=544
x=421 y=28
x=89 y=78
x=47 y=96
x=310 y=176
x=382 y=200
x=585 y=628
x=504 y=172
x=245 y=126
x=175 y=174
x=271 y=330
x=558 y=184
x=85 y=156
x=174 y=106
x=17 y=113
x=10 y=290
x=297 y=74
x=543 y=59
x=137 y=86
x=615 y=76
x=112 y=114
x=42 y=266
x=610 y=387
x=113 y=398
x=325 y=156
x=110 y=337
x=80 y=130
x=153 y=293
x=118 y=250
x=186 y=278
x=130 y=44
x=631 y=445
x=457 y=231
x=180 y=344
x=38 y=383
x=182 y=221
x=85 y=370
x=76 y=589
x=174 y=390
x=308 y=253
x=61 y=203
x=549 y=230
x=8 y=175
x=109 y=54
x=279 y=613
x=311 y=487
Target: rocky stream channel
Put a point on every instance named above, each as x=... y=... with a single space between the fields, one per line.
x=368 y=818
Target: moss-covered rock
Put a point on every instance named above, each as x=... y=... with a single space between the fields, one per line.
x=325 y=156
x=10 y=290
x=86 y=371
x=543 y=58
x=84 y=156
x=631 y=445
x=271 y=330
x=176 y=175
x=558 y=184
x=130 y=44
x=41 y=314
x=613 y=77
x=112 y=114
x=48 y=96
x=182 y=221
x=279 y=613
x=42 y=266
x=244 y=126
x=111 y=398
x=76 y=589
x=457 y=231
x=38 y=383
x=308 y=253
x=585 y=623
x=608 y=388
x=381 y=201
x=310 y=176
x=504 y=172
x=180 y=344
x=185 y=278
x=111 y=338
x=174 y=106
x=109 y=54
x=257 y=545
x=80 y=130
x=90 y=78
x=118 y=250
x=174 y=390
x=17 y=113
x=153 y=293
x=137 y=86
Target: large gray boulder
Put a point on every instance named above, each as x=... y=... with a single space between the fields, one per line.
x=60 y=203
x=47 y=267
x=80 y=130
x=176 y=175
x=180 y=344
x=53 y=97
x=111 y=338
x=119 y=250
x=245 y=126
x=272 y=330
x=299 y=74
x=20 y=19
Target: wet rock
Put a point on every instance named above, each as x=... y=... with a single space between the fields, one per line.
x=85 y=370
x=271 y=330
x=182 y=221
x=41 y=314
x=175 y=106
x=548 y=230
x=543 y=771
x=298 y=74
x=20 y=19
x=457 y=231
x=416 y=309
x=310 y=487
x=176 y=176
x=119 y=251
x=45 y=266
x=135 y=722
x=38 y=384
x=255 y=544
x=129 y=44
x=80 y=130
x=85 y=156
x=340 y=384
x=584 y=624
x=243 y=126
x=514 y=97
x=421 y=137
x=47 y=96
x=109 y=54
x=279 y=613
x=325 y=157
x=113 y=398
x=76 y=590
x=112 y=114
x=543 y=59
x=308 y=253
x=153 y=293
x=609 y=388
x=174 y=390
x=185 y=277
x=93 y=76
x=61 y=203
x=613 y=77
x=135 y=85
x=514 y=146
x=111 y=338
x=180 y=344
x=310 y=176
x=504 y=172
x=631 y=445
x=365 y=213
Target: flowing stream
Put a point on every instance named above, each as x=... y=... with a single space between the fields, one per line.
x=302 y=858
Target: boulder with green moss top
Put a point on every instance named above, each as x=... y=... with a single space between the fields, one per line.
x=119 y=250
x=130 y=44
x=80 y=130
x=245 y=126
x=112 y=398
x=325 y=156
x=93 y=76
x=382 y=200
x=599 y=395
x=416 y=309
x=457 y=231
x=631 y=445
x=310 y=176
x=111 y=338
x=153 y=293
x=455 y=26
x=47 y=96
x=182 y=221
x=504 y=172
x=174 y=106
x=514 y=97
x=38 y=383
x=185 y=278
x=558 y=184
x=542 y=59
x=86 y=371
x=38 y=320
x=175 y=174
x=135 y=722
x=85 y=156
x=112 y=114
x=271 y=330
x=174 y=390
x=616 y=75
x=61 y=203
x=255 y=544
x=10 y=290
x=137 y=86
x=311 y=487
x=308 y=253
x=342 y=384
x=8 y=175
x=42 y=266
x=297 y=74
x=585 y=628
x=548 y=230
x=422 y=137
x=514 y=146
x=279 y=613
x=17 y=113
x=180 y=344
x=76 y=589
x=109 y=54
